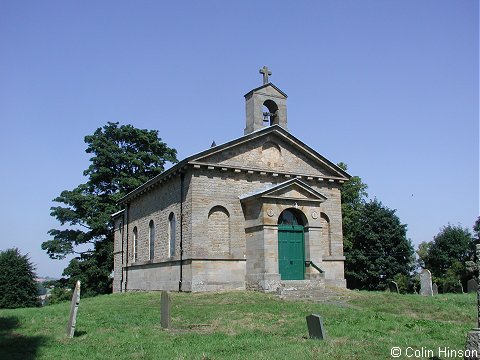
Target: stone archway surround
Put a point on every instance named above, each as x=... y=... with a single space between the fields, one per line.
x=262 y=267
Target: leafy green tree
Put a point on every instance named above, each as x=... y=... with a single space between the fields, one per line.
x=379 y=249
x=448 y=253
x=124 y=157
x=18 y=287
x=58 y=295
x=354 y=194
x=422 y=253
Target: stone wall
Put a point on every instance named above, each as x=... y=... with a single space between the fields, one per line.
x=117 y=254
x=224 y=241
x=269 y=152
x=159 y=275
x=217 y=188
x=155 y=205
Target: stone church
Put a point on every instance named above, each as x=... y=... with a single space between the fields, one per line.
x=253 y=213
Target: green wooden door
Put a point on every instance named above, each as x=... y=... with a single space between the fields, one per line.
x=291 y=256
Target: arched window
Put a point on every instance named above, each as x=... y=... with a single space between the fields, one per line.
x=171 y=234
x=151 y=235
x=135 y=244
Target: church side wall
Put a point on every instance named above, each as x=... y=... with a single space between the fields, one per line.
x=163 y=271
x=211 y=188
x=332 y=259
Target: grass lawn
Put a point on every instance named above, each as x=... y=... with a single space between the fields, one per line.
x=239 y=325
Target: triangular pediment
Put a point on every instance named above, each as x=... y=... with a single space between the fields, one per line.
x=271 y=149
x=268 y=89
x=293 y=189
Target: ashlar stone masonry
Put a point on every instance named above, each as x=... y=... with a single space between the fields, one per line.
x=248 y=214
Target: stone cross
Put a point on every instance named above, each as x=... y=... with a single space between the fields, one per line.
x=265 y=72
x=73 y=310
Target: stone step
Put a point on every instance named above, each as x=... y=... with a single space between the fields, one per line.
x=302 y=284
x=315 y=293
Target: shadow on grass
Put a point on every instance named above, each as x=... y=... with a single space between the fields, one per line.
x=79 y=333
x=17 y=346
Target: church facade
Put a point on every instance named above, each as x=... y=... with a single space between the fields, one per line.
x=252 y=213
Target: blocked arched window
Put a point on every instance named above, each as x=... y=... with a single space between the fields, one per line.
x=151 y=236
x=219 y=229
x=171 y=234
x=135 y=244
x=326 y=233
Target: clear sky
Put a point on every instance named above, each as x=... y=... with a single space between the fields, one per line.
x=389 y=87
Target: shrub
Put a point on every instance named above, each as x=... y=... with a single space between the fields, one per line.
x=18 y=287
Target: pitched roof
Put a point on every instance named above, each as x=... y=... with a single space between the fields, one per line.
x=258 y=133
x=264 y=86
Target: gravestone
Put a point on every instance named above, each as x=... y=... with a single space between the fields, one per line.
x=393 y=286
x=472 y=286
x=315 y=327
x=472 y=346
x=426 y=283
x=435 y=289
x=73 y=310
x=165 y=310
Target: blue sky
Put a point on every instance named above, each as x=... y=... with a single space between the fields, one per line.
x=389 y=87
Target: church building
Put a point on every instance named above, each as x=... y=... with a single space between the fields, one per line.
x=253 y=213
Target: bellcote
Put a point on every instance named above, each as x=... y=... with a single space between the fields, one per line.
x=265 y=106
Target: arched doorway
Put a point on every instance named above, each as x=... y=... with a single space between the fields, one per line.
x=291 y=245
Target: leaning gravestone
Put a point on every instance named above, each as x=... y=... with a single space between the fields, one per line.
x=434 y=289
x=315 y=327
x=472 y=286
x=165 y=310
x=393 y=286
x=426 y=283
x=73 y=311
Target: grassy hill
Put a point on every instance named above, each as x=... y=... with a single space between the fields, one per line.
x=238 y=325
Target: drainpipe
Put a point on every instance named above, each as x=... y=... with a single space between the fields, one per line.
x=122 y=238
x=126 y=252
x=182 y=181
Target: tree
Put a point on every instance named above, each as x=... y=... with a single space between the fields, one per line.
x=422 y=253
x=18 y=287
x=124 y=157
x=354 y=194
x=375 y=243
x=447 y=254
x=379 y=249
